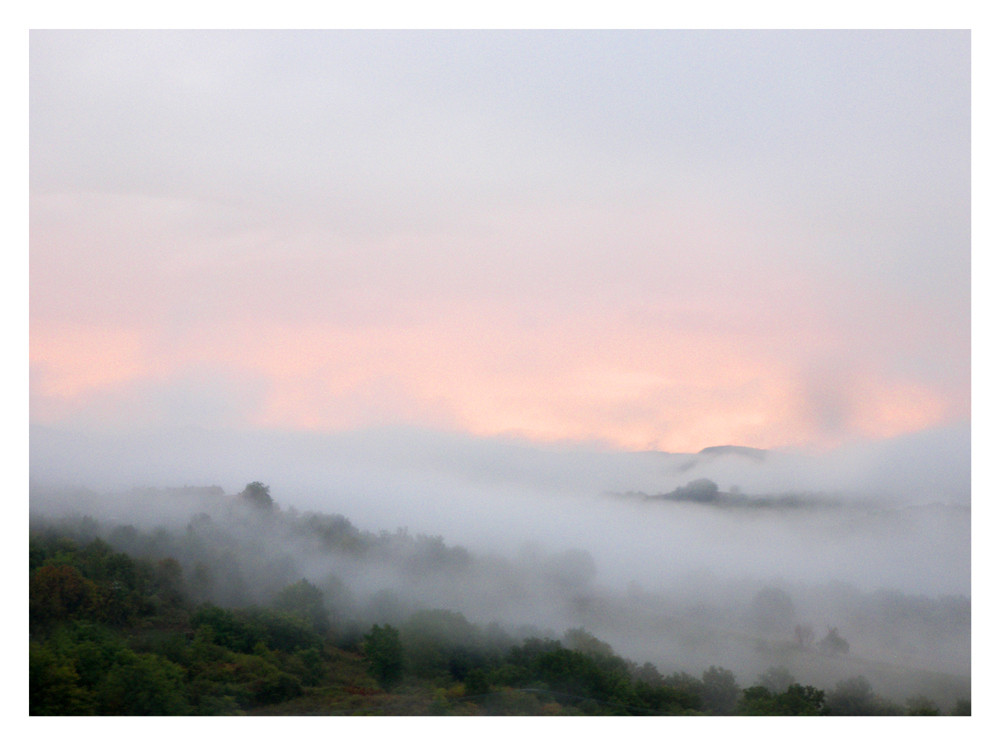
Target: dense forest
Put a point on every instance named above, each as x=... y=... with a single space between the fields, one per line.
x=245 y=608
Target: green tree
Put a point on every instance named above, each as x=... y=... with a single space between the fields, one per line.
x=225 y=628
x=59 y=592
x=304 y=600
x=796 y=700
x=439 y=644
x=799 y=700
x=143 y=684
x=311 y=660
x=258 y=495
x=580 y=640
x=168 y=581
x=756 y=701
x=648 y=674
x=54 y=686
x=93 y=648
x=384 y=652
x=688 y=688
x=719 y=690
x=575 y=673
x=477 y=682
x=280 y=630
x=854 y=697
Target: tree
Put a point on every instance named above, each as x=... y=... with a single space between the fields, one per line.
x=226 y=628
x=719 y=690
x=686 y=686
x=477 y=682
x=854 y=697
x=305 y=600
x=54 y=686
x=756 y=701
x=168 y=581
x=962 y=708
x=776 y=679
x=282 y=631
x=384 y=652
x=699 y=490
x=648 y=674
x=921 y=706
x=833 y=643
x=258 y=495
x=58 y=592
x=796 y=700
x=578 y=674
x=581 y=641
x=142 y=684
x=799 y=700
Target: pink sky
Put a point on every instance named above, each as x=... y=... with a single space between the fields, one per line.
x=651 y=241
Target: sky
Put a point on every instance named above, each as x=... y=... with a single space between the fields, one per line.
x=649 y=239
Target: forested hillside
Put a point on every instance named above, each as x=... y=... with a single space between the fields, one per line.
x=220 y=616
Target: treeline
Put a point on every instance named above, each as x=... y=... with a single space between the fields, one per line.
x=127 y=633
x=706 y=492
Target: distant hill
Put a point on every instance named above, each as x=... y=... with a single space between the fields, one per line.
x=752 y=453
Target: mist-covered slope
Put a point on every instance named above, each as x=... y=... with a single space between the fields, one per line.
x=681 y=620
x=884 y=557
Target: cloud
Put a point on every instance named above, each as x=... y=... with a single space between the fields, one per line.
x=638 y=237
x=189 y=397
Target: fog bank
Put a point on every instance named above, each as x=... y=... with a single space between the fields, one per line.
x=889 y=514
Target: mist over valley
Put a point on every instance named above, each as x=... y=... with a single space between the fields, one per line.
x=646 y=551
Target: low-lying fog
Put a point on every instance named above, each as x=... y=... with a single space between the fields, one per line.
x=856 y=538
x=904 y=522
